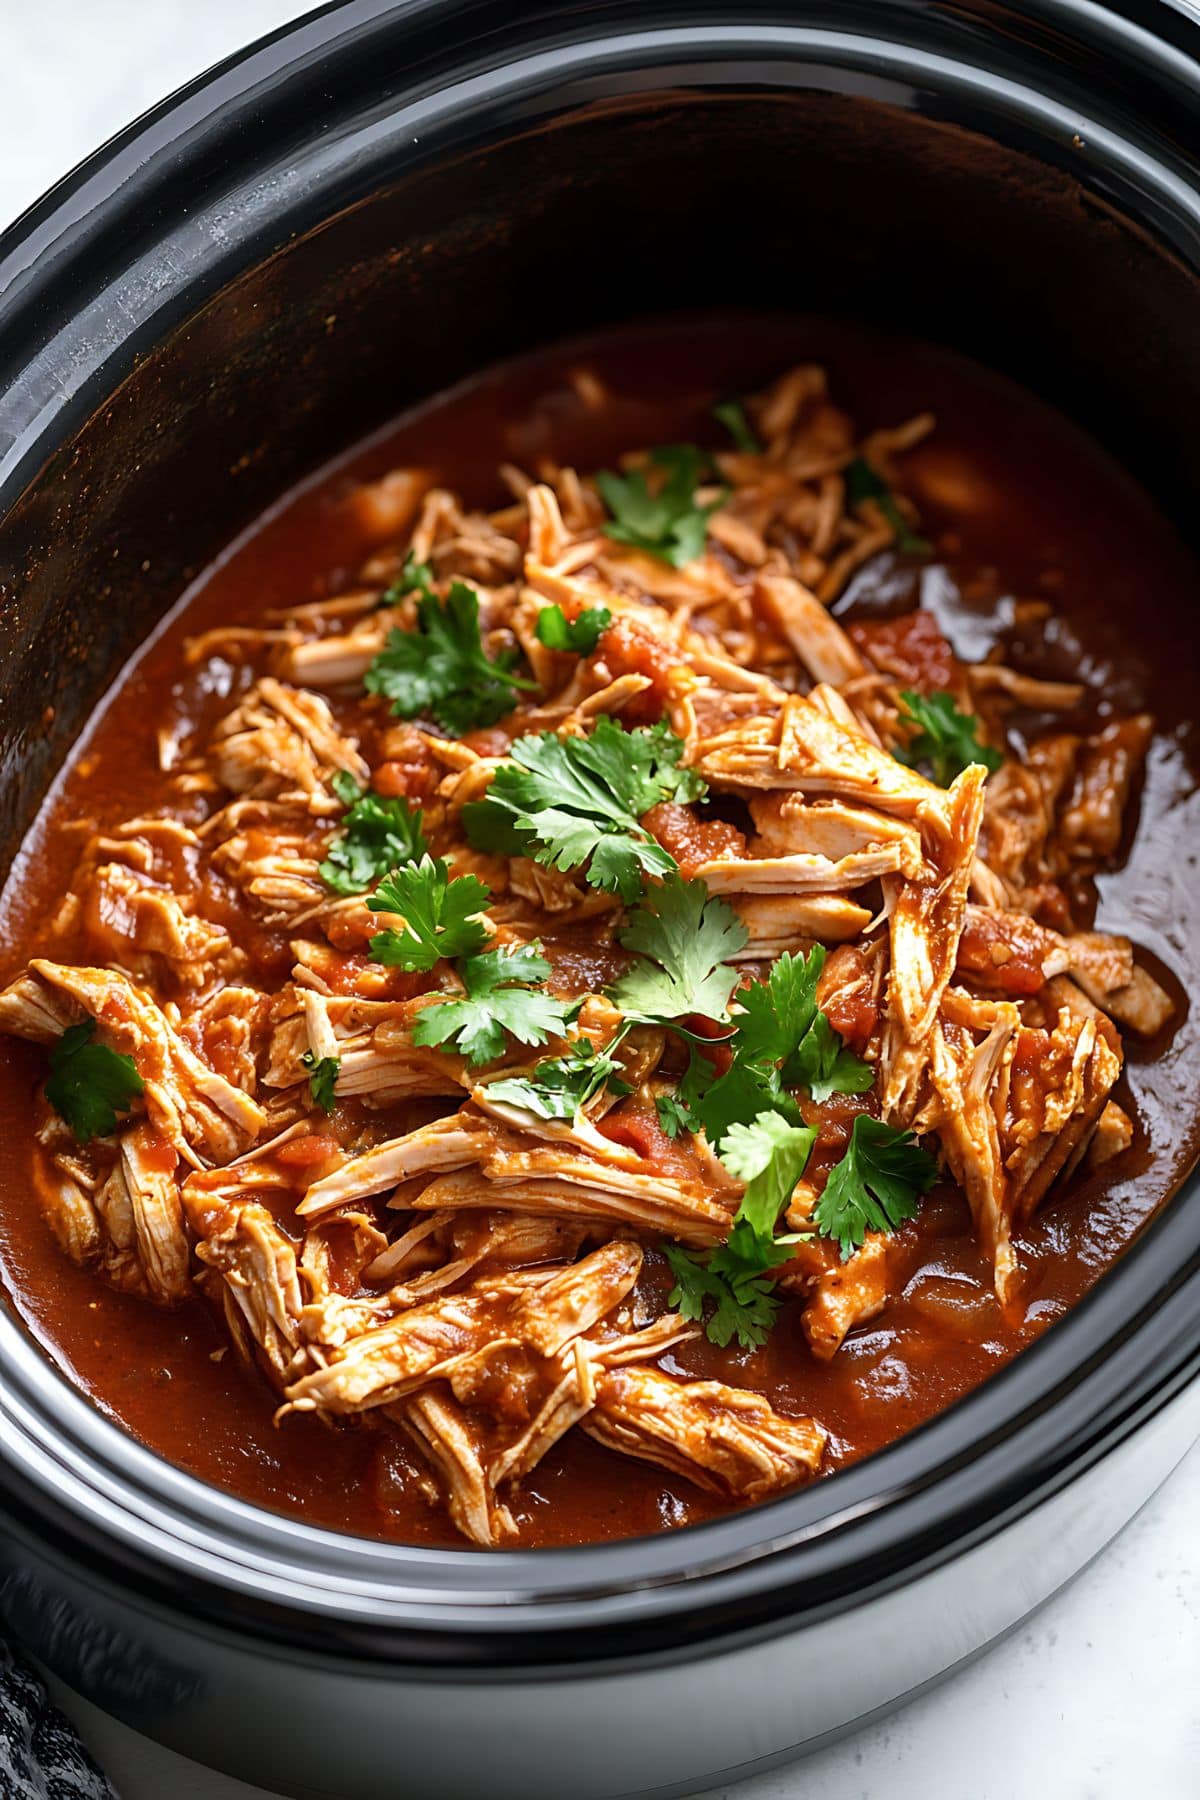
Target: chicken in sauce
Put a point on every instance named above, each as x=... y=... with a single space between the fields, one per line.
x=579 y=951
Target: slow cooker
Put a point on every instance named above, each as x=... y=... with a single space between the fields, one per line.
x=353 y=213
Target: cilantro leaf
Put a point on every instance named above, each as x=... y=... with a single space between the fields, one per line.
x=377 y=834
x=776 y=1013
x=742 y=1301
x=323 y=1072
x=681 y=937
x=667 y=523
x=876 y=1185
x=781 y=1040
x=732 y=415
x=697 y=1078
x=581 y=634
x=441 y=669
x=438 y=913
x=494 y=1004
x=770 y=1156
x=678 y=1111
x=674 y=1114
x=737 y=1098
x=743 y=1264
x=824 y=1065
x=704 y=1099
x=563 y=1085
x=780 y=1022
x=865 y=483
x=577 y=802
x=90 y=1084
x=414 y=577
x=944 y=738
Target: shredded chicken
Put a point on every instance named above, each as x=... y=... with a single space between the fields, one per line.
x=720 y=1437
x=400 y=1243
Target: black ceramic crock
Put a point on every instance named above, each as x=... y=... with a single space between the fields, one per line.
x=321 y=231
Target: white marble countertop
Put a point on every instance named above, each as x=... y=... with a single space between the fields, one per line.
x=1099 y=1695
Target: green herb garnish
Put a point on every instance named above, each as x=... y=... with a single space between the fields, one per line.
x=577 y=803
x=731 y=414
x=667 y=523
x=674 y=1115
x=377 y=834
x=439 y=913
x=414 y=577
x=323 y=1072
x=944 y=739
x=580 y=634
x=875 y=1186
x=90 y=1084
x=781 y=1040
x=740 y=1297
x=781 y=1025
x=441 y=669
x=681 y=937
x=865 y=483
x=770 y=1155
x=497 y=1001
x=739 y=1095
x=563 y=1085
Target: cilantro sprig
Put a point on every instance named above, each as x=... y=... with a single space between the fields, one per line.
x=441 y=920
x=577 y=803
x=414 y=577
x=580 y=634
x=865 y=483
x=735 y=1098
x=667 y=522
x=498 y=999
x=732 y=415
x=439 y=913
x=323 y=1072
x=441 y=669
x=875 y=1186
x=942 y=738
x=770 y=1155
x=741 y=1299
x=674 y=1114
x=562 y=1086
x=781 y=1040
x=89 y=1084
x=781 y=1025
x=823 y=1065
x=681 y=937
x=376 y=835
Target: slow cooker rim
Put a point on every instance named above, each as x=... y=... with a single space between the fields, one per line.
x=643 y=1580
x=85 y=222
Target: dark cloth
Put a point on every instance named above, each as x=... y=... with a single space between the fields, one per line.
x=40 y=1756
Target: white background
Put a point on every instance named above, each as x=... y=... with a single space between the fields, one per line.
x=1099 y=1696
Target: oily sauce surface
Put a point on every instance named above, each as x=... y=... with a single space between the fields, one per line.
x=1019 y=504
